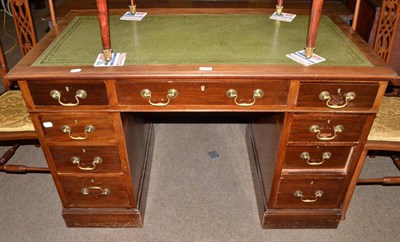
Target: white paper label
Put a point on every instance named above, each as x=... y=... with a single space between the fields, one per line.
x=47 y=124
x=76 y=70
x=205 y=68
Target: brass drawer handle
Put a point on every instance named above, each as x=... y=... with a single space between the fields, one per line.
x=325 y=95
x=79 y=94
x=306 y=156
x=104 y=191
x=232 y=93
x=317 y=130
x=88 y=129
x=317 y=194
x=96 y=160
x=172 y=93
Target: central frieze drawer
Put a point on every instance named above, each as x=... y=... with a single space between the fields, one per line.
x=326 y=127
x=78 y=127
x=309 y=193
x=90 y=159
x=96 y=192
x=337 y=95
x=202 y=92
x=69 y=93
x=314 y=159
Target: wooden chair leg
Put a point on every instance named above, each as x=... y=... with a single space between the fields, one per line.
x=23 y=169
x=9 y=153
x=388 y=180
x=396 y=160
x=18 y=168
x=373 y=153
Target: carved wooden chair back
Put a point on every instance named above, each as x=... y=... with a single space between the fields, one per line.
x=387 y=39
x=387 y=29
x=25 y=31
x=4 y=69
x=23 y=25
x=384 y=37
x=16 y=127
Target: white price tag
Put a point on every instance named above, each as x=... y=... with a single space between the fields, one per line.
x=76 y=70
x=205 y=68
x=47 y=124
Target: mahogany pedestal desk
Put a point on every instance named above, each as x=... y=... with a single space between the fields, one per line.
x=306 y=125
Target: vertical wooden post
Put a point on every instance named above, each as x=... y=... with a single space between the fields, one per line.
x=388 y=23
x=355 y=15
x=102 y=10
x=53 y=16
x=316 y=10
x=132 y=6
x=4 y=69
x=279 y=7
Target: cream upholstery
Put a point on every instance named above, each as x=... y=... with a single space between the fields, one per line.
x=386 y=126
x=13 y=113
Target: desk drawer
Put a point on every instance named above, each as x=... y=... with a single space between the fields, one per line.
x=68 y=93
x=79 y=127
x=309 y=193
x=90 y=159
x=96 y=191
x=333 y=95
x=203 y=92
x=324 y=127
x=314 y=159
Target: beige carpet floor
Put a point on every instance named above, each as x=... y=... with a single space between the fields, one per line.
x=192 y=198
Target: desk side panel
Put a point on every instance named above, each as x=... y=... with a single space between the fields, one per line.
x=262 y=143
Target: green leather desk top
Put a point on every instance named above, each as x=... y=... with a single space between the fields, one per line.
x=200 y=39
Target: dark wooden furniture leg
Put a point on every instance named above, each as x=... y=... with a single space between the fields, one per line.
x=279 y=7
x=9 y=153
x=313 y=27
x=132 y=6
x=396 y=159
x=53 y=15
x=17 y=168
x=104 y=28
